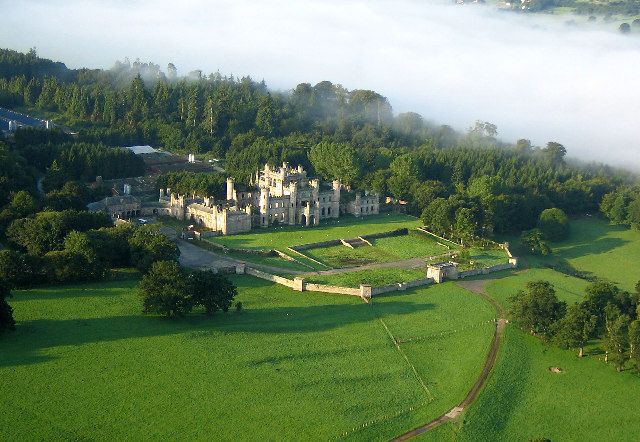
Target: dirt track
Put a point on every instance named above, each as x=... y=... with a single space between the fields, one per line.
x=476 y=286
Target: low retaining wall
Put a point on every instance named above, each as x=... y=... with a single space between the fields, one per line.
x=401 y=286
x=365 y=291
x=486 y=270
x=292 y=250
x=332 y=289
x=295 y=284
x=397 y=232
x=338 y=242
x=259 y=252
x=316 y=245
x=423 y=230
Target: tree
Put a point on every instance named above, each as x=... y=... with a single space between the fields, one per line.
x=19 y=270
x=634 y=343
x=603 y=295
x=71 y=266
x=554 y=152
x=617 y=339
x=537 y=309
x=335 y=161
x=534 y=240
x=47 y=230
x=6 y=312
x=554 y=224
x=148 y=245
x=210 y=291
x=575 y=328
x=164 y=291
x=624 y=28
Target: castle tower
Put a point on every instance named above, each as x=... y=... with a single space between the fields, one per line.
x=264 y=207
x=335 y=199
x=293 y=198
x=315 y=200
x=307 y=213
x=230 y=189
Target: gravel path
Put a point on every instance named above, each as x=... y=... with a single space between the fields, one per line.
x=478 y=287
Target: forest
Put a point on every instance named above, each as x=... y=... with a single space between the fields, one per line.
x=461 y=184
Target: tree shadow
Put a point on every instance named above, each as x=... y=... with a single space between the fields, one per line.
x=595 y=247
x=24 y=346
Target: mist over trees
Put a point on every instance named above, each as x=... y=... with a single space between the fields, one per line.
x=464 y=185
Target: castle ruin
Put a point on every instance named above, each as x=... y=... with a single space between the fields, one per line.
x=276 y=196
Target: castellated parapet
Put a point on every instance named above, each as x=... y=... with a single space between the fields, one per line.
x=283 y=195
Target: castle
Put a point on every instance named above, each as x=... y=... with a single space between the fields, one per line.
x=282 y=195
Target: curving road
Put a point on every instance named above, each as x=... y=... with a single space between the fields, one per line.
x=476 y=287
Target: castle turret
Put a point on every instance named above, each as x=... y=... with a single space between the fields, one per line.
x=335 y=199
x=264 y=206
x=230 y=189
x=293 y=197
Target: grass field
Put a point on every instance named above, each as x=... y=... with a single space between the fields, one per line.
x=346 y=227
x=415 y=244
x=85 y=364
x=343 y=256
x=611 y=252
x=523 y=400
x=376 y=277
x=395 y=248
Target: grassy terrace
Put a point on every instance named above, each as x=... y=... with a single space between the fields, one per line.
x=377 y=277
x=346 y=227
x=85 y=364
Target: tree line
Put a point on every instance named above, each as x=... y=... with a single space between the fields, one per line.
x=606 y=313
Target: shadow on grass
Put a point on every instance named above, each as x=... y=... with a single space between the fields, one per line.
x=24 y=346
x=595 y=247
x=106 y=288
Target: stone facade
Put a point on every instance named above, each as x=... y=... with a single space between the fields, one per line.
x=126 y=207
x=441 y=271
x=223 y=218
x=281 y=195
x=286 y=195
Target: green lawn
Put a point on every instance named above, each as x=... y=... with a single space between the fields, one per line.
x=611 y=252
x=488 y=257
x=343 y=256
x=376 y=278
x=346 y=227
x=415 y=244
x=523 y=400
x=85 y=364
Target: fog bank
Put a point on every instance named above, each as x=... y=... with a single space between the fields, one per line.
x=531 y=76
